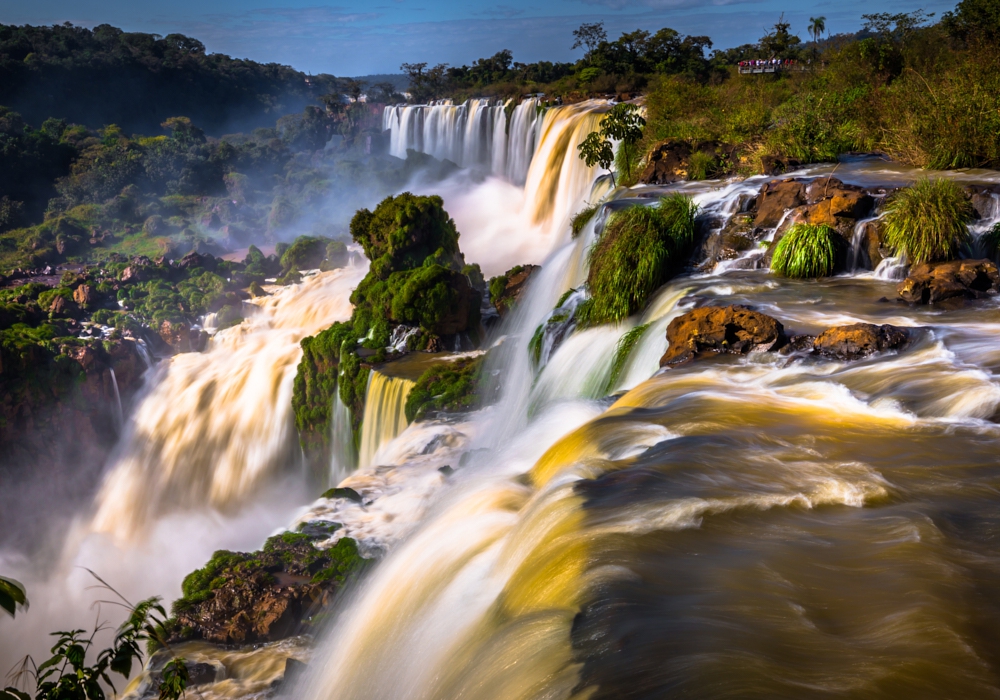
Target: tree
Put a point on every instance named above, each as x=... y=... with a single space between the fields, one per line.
x=589 y=36
x=817 y=25
x=780 y=42
x=622 y=124
x=354 y=88
x=974 y=19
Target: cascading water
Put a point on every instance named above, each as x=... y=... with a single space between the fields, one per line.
x=385 y=413
x=217 y=427
x=474 y=133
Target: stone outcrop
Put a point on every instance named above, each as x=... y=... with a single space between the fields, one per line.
x=669 y=161
x=776 y=198
x=506 y=290
x=731 y=329
x=930 y=283
x=250 y=598
x=859 y=340
x=778 y=165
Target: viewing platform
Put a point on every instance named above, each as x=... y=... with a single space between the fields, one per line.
x=766 y=67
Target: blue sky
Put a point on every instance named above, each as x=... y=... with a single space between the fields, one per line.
x=357 y=37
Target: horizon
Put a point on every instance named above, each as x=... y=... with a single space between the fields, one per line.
x=336 y=39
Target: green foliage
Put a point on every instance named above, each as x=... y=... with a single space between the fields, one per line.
x=66 y=675
x=623 y=124
x=403 y=231
x=805 y=252
x=175 y=680
x=581 y=218
x=596 y=150
x=989 y=243
x=12 y=596
x=702 y=166
x=447 y=387
x=622 y=352
x=535 y=344
x=975 y=20
x=305 y=253
x=640 y=249
x=928 y=221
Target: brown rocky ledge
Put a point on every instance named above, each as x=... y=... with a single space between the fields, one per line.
x=929 y=283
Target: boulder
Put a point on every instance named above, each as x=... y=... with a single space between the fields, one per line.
x=731 y=329
x=778 y=165
x=516 y=281
x=859 y=340
x=929 y=283
x=775 y=199
x=84 y=295
x=666 y=163
x=61 y=306
x=985 y=200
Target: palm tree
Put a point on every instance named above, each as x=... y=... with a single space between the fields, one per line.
x=817 y=25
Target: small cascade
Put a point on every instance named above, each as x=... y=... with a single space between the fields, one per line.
x=893 y=269
x=856 y=254
x=140 y=346
x=343 y=457
x=119 y=414
x=385 y=413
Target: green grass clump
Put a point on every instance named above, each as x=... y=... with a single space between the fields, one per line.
x=622 y=352
x=702 y=166
x=927 y=221
x=640 y=249
x=805 y=252
x=581 y=218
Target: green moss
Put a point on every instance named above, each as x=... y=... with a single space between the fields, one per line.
x=535 y=344
x=928 y=221
x=580 y=219
x=305 y=253
x=640 y=249
x=447 y=387
x=805 y=252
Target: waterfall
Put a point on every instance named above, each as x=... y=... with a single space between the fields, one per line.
x=385 y=413
x=342 y=454
x=216 y=428
x=119 y=414
x=474 y=133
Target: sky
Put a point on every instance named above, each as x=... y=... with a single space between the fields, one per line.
x=362 y=37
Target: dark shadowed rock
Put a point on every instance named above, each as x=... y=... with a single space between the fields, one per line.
x=732 y=329
x=929 y=283
x=516 y=281
x=778 y=165
x=859 y=340
x=775 y=199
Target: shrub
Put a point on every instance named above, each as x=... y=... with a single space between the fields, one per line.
x=447 y=386
x=805 y=251
x=927 y=221
x=701 y=166
x=640 y=249
x=306 y=253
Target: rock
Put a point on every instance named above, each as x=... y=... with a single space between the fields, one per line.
x=929 y=283
x=859 y=340
x=194 y=259
x=61 y=306
x=516 y=281
x=343 y=492
x=775 y=199
x=181 y=338
x=731 y=329
x=133 y=274
x=778 y=165
x=666 y=163
x=985 y=200
x=737 y=236
x=84 y=295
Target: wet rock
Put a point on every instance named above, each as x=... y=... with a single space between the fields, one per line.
x=859 y=340
x=669 y=161
x=181 y=338
x=344 y=492
x=929 y=283
x=506 y=290
x=985 y=200
x=133 y=274
x=731 y=329
x=775 y=199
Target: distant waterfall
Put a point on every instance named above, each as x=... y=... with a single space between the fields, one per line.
x=385 y=413
x=474 y=133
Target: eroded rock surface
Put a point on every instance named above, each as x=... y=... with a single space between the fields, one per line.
x=730 y=329
x=929 y=283
x=859 y=340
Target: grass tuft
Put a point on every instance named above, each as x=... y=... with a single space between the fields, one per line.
x=805 y=252
x=622 y=352
x=702 y=166
x=927 y=221
x=581 y=218
x=640 y=249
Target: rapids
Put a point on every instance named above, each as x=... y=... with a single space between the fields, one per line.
x=737 y=527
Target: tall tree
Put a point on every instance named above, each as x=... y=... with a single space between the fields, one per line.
x=817 y=25
x=589 y=36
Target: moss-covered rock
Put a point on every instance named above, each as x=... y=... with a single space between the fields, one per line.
x=447 y=387
x=506 y=289
x=263 y=596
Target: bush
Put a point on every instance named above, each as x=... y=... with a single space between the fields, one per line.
x=640 y=249
x=805 y=251
x=702 y=166
x=927 y=221
x=306 y=253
